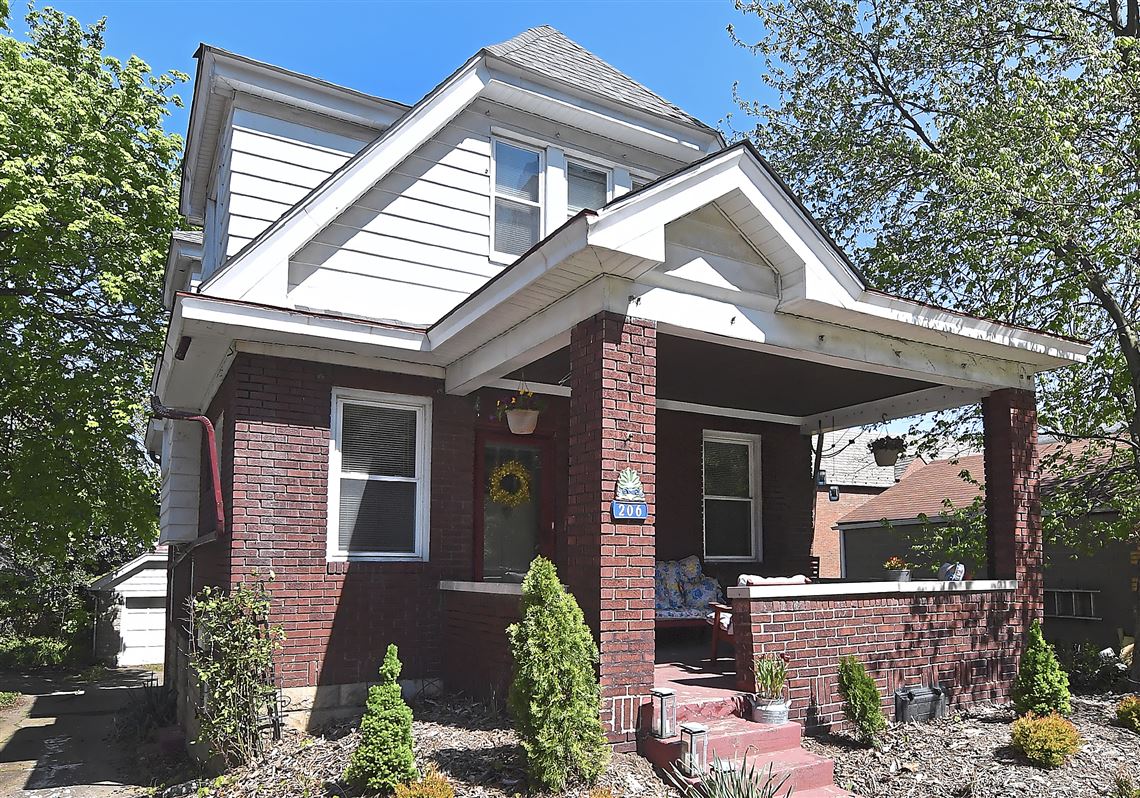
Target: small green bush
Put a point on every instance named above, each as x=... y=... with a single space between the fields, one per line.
x=8 y=698
x=384 y=759
x=554 y=698
x=1128 y=713
x=1089 y=671
x=433 y=785
x=1046 y=740
x=862 y=704
x=1041 y=686
x=33 y=652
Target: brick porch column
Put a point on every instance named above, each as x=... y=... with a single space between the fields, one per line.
x=609 y=566
x=1014 y=545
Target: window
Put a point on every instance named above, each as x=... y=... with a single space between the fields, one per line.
x=517 y=210
x=1071 y=604
x=378 y=481
x=585 y=188
x=731 y=496
x=638 y=184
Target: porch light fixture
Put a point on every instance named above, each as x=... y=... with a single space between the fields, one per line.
x=664 y=712
x=694 y=749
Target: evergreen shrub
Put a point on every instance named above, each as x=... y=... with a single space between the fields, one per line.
x=1046 y=740
x=1041 y=686
x=862 y=704
x=383 y=760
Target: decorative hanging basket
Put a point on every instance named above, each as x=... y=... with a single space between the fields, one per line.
x=521 y=412
x=510 y=484
x=887 y=450
x=522 y=422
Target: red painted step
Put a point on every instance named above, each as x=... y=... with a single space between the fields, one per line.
x=805 y=770
x=705 y=709
x=825 y=792
x=729 y=738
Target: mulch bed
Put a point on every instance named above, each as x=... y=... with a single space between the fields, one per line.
x=471 y=744
x=969 y=756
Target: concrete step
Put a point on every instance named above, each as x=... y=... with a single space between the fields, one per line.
x=805 y=770
x=825 y=792
x=703 y=710
x=729 y=738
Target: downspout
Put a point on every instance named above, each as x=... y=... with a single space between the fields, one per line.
x=161 y=411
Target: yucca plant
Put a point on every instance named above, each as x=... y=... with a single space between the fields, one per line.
x=735 y=782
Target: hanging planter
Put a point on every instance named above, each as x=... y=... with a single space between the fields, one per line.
x=521 y=412
x=887 y=449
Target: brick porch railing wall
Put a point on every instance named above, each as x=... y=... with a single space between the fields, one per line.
x=609 y=565
x=479 y=661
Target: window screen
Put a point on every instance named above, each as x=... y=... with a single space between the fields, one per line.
x=730 y=509
x=585 y=187
x=518 y=205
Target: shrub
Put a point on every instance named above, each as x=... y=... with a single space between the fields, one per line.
x=8 y=698
x=1041 y=686
x=433 y=785
x=861 y=701
x=736 y=782
x=19 y=651
x=554 y=697
x=1089 y=670
x=384 y=759
x=771 y=676
x=1045 y=740
x=147 y=710
x=1128 y=713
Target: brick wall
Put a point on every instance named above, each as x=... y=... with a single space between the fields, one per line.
x=610 y=565
x=827 y=513
x=475 y=635
x=968 y=641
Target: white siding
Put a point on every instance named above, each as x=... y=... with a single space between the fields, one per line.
x=704 y=247
x=178 y=493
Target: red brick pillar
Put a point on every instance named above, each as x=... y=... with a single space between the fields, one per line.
x=1014 y=546
x=609 y=566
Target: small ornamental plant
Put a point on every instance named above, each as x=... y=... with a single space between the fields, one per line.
x=433 y=785
x=888 y=443
x=523 y=399
x=554 y=697
x=862 y=704
x=1041 y=686
x=895 y=564
x=383 y=760
x=1128 y=713
x=1046 y=740
x=771 y=676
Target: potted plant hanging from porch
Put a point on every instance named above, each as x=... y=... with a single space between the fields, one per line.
x=887 y=449
x=897 y=570
x=771 y=702
x=521 y=412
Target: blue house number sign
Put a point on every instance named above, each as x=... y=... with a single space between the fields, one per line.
x=629 y=498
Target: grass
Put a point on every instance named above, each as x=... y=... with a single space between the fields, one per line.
x=8 y=698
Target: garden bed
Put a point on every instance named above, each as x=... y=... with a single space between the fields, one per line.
x=969 y=756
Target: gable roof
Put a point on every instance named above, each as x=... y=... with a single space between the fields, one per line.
x=922 y=491
x=550 y=53
x=109 y=580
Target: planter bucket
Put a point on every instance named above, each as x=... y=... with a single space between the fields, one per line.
x=886 y=457
x=767 y=711
x=522 y=422
x=898 y=576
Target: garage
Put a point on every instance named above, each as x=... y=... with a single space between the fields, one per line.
x=130 y=626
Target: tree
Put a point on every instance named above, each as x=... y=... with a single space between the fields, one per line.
x=554 y=697
x=88 y=200
x=983 y=156
x=384 y=758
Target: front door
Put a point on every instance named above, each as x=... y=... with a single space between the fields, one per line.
x=514 y=513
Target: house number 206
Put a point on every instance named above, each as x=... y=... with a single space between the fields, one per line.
x=630 y=510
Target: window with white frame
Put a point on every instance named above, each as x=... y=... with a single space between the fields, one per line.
x=639 y=183
x=517 y=203
x=731 y=465
x=586 y=187
x=1079 y=604
x=379 y=471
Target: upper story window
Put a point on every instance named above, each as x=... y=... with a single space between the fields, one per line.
x=638 y=184
x=731 y=496
x=517 y=205
x=586 y=187
x=378 y=476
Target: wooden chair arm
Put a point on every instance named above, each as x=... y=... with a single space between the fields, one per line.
x=719 y=607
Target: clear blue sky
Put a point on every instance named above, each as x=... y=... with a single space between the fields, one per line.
x=401 y=50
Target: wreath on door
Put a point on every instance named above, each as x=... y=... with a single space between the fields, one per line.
x=510 y=484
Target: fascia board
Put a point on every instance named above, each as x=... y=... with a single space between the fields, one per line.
x=203 y=95
x=169 y=345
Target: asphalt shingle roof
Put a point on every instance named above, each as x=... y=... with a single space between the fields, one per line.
x=549 y=52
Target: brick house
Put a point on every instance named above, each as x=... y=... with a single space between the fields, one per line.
x=372 y=278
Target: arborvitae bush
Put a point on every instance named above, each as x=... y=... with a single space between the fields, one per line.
x=1041 y=686
x=383 y=759
x=861 y=701
x=1128 y=713
x=1046 y=740
x=554 y=697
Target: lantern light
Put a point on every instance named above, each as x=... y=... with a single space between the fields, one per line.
x=664 y=712
x=694 y=749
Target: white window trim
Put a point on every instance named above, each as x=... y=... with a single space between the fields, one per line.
x=422 y=406
x=506 y=257
x=753 y=443
x=593 y=166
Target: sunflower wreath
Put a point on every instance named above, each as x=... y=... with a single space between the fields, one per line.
x=502 y=491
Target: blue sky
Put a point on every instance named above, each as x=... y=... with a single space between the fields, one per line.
x=401 y=50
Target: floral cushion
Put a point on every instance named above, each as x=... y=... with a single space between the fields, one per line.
x=684 y=612
x=698 y=594
x=667 y=586
x=690 y=568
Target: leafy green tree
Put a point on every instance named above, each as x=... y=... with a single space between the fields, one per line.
x=982 y=156
x=1041 y=685
x=88 y=200
x=384 y=758
x=554 y=697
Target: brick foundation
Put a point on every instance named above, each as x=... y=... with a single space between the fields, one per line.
x=479 y=659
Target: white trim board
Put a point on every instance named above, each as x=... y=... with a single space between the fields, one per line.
x=834 y=590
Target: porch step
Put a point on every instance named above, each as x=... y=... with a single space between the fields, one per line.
x=805 y=770
x=707 y=709
x=730 y=738
x=825 y=792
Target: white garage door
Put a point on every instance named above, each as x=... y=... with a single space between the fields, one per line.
x=142 y=629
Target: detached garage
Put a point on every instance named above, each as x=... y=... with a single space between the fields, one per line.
x=130 y=627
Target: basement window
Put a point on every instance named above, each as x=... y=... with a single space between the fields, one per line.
x=731 y=469
x=1072 y=604
x=379 y=466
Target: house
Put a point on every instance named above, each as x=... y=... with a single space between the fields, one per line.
x=848 y=477
x=1088 y=595
x=130 y=612
x=375 y=278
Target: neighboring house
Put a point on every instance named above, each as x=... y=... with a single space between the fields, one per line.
x=848 y=477
x=1087 y=595
x=130 y=612
x=375 y=277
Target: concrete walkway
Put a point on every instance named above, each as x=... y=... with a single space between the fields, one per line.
x=57 y=742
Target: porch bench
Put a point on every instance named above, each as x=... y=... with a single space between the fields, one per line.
x=683 y=593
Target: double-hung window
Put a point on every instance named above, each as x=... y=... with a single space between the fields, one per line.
x=517 y=206
x=586 y=187
x=379 y=476
x=731 y=496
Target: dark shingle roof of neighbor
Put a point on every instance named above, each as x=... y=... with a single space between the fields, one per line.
x=549 y=52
